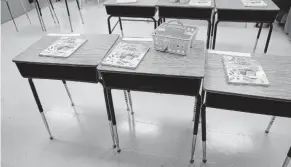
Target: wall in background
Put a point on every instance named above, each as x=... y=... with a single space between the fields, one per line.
x=16 y=8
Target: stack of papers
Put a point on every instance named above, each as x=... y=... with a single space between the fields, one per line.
x=126 y=55
x=254 y=3
x=63 y=47
x=200 y=3
x=243 y=70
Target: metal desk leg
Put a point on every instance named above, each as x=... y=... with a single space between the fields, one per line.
x=288 y=158
x=108 y=23
x=215 y=34
x=50 y=10
x=196 y=124
x=270 y=124
x=208 y=34
x=80 y=11
x=52 y=6
x=112 y=113
x=35 y=95
x=40 y=14
x=155 y=22
x=203 y=125
x=109 y=116
x=126 y=100
x=37 y=11
x=11 y=15
x=268 y=38
x=120 y=24
x=258 y=36
x=69 y=16
x=130 y=101
x=25 y=11
x=68 y=91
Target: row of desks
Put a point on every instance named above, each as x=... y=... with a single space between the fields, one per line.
x=199 y=74
x=226 y=10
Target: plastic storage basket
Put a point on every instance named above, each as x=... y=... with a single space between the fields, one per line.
x=174 y=38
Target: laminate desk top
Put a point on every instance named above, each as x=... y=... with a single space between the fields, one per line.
x=238 y=5
x=80 y=66
x=162 y=63
x=145 y=3
x=89 y=54
x=277 y=70
x=167 y=3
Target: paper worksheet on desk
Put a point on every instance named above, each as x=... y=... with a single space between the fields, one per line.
x=63 y=47
x=200 y=3
x=254 y=3
x=244 y=70
x=126 y=55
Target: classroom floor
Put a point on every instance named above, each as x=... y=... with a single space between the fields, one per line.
x=160 y=133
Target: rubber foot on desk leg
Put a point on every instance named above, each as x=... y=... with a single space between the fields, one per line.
x=118 y=151
x=51 y=138
x=192 y=161
x=132 y=113
x=114 y=146
x=204 y=161
x=266 y=131
x=127 y=109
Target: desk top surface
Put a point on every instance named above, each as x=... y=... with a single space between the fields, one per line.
x=167 y=3
x=277 y=69
x=238 y=5
x=166 y=64
x=147 y=3
x=89 y=54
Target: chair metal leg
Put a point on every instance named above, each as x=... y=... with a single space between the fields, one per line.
x=112 y=113
x=109 y=117
x=270 y=124
x=49 y=6
x=268 y=38
x=68 y=91
x=194 y=112
x=53 y=9
x=130 y=101
x=155 y=22
x=258 y=36
x=126 y=100
x=208 y=34
x=69 y=16
x=35 y=95
x=120 y=24
x=11 y=15
x=77 y=1
x=25 y=11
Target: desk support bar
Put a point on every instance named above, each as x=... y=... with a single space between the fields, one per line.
x=126 y=100
x=109 y=116
x=68 y=91
x=288 y=158
x=11 y=15
x=25 y=11
x=112 y=113
x=35 y=95
x=198 y=101
x=69 y=16
x=258 y=36
x=270 y=124
x=53 y=9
